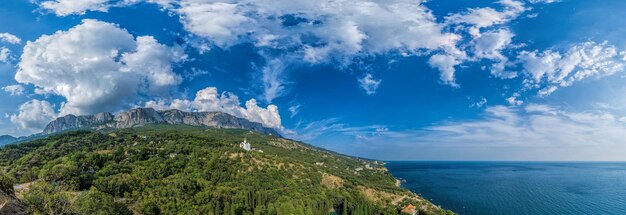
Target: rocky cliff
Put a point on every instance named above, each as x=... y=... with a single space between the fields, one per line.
x=9 y=205
x=143 y=116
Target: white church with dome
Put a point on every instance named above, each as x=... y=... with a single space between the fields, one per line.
x=245 y=145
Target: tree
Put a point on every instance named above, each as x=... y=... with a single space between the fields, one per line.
x=45 y=198
x=6 y=184
x=99 y=203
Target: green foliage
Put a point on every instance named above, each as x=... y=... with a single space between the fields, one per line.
x=99 y=203
x=118 y=185
x=46 y=198
x=6 y=184
x=195 y=170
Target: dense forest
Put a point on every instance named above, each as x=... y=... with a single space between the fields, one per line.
x=162 y=169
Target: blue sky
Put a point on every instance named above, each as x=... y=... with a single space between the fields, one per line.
x=393 y=80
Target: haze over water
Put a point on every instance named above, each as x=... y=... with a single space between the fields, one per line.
x=518 y=188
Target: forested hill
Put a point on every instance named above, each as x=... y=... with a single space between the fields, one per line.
x=176 y=169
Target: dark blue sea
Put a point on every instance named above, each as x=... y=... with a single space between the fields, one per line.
x=515 y=188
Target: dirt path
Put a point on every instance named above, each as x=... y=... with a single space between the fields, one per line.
x=398 y=200
x=20 y=189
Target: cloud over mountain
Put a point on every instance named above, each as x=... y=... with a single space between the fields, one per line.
x=34 y=115
x=209 y=99
x=97 y=66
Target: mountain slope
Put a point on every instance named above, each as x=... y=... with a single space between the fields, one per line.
x=6 y=139
x=144 y=116
x=176 y=169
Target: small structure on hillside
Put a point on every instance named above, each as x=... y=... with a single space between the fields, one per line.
x=245 y=145
x=332 y=211
x=409 y=209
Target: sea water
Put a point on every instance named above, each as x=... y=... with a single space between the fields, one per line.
x=514 y=188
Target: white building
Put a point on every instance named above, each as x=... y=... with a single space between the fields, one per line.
x=245 y=145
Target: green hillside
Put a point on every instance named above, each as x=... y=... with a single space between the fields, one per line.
x=162 y=169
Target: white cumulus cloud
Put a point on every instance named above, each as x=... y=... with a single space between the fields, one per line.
x=69 y=7
x=209 y=99
x=317 y=31
x=97 y=66
x=10 y=38
x=34 y=115
x=445 y=64
x=489 y=45
x=478 y=18
x=480 y=103
x=544 y=1
x=5 y=55
x=222 y=23
x=369 y=84
x=551 y=69
x=514 y=101
x=348 y=27
x=14 y=90
x=328 y=30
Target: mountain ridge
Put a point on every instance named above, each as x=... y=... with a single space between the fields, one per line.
x=143 y=116
x=7 y=139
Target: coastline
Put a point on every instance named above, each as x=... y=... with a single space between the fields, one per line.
x=517 y=188
x=412 y=198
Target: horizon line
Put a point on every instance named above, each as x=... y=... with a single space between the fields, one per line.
x=512 y=161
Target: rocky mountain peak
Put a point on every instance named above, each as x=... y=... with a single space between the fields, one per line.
x=142 y=116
